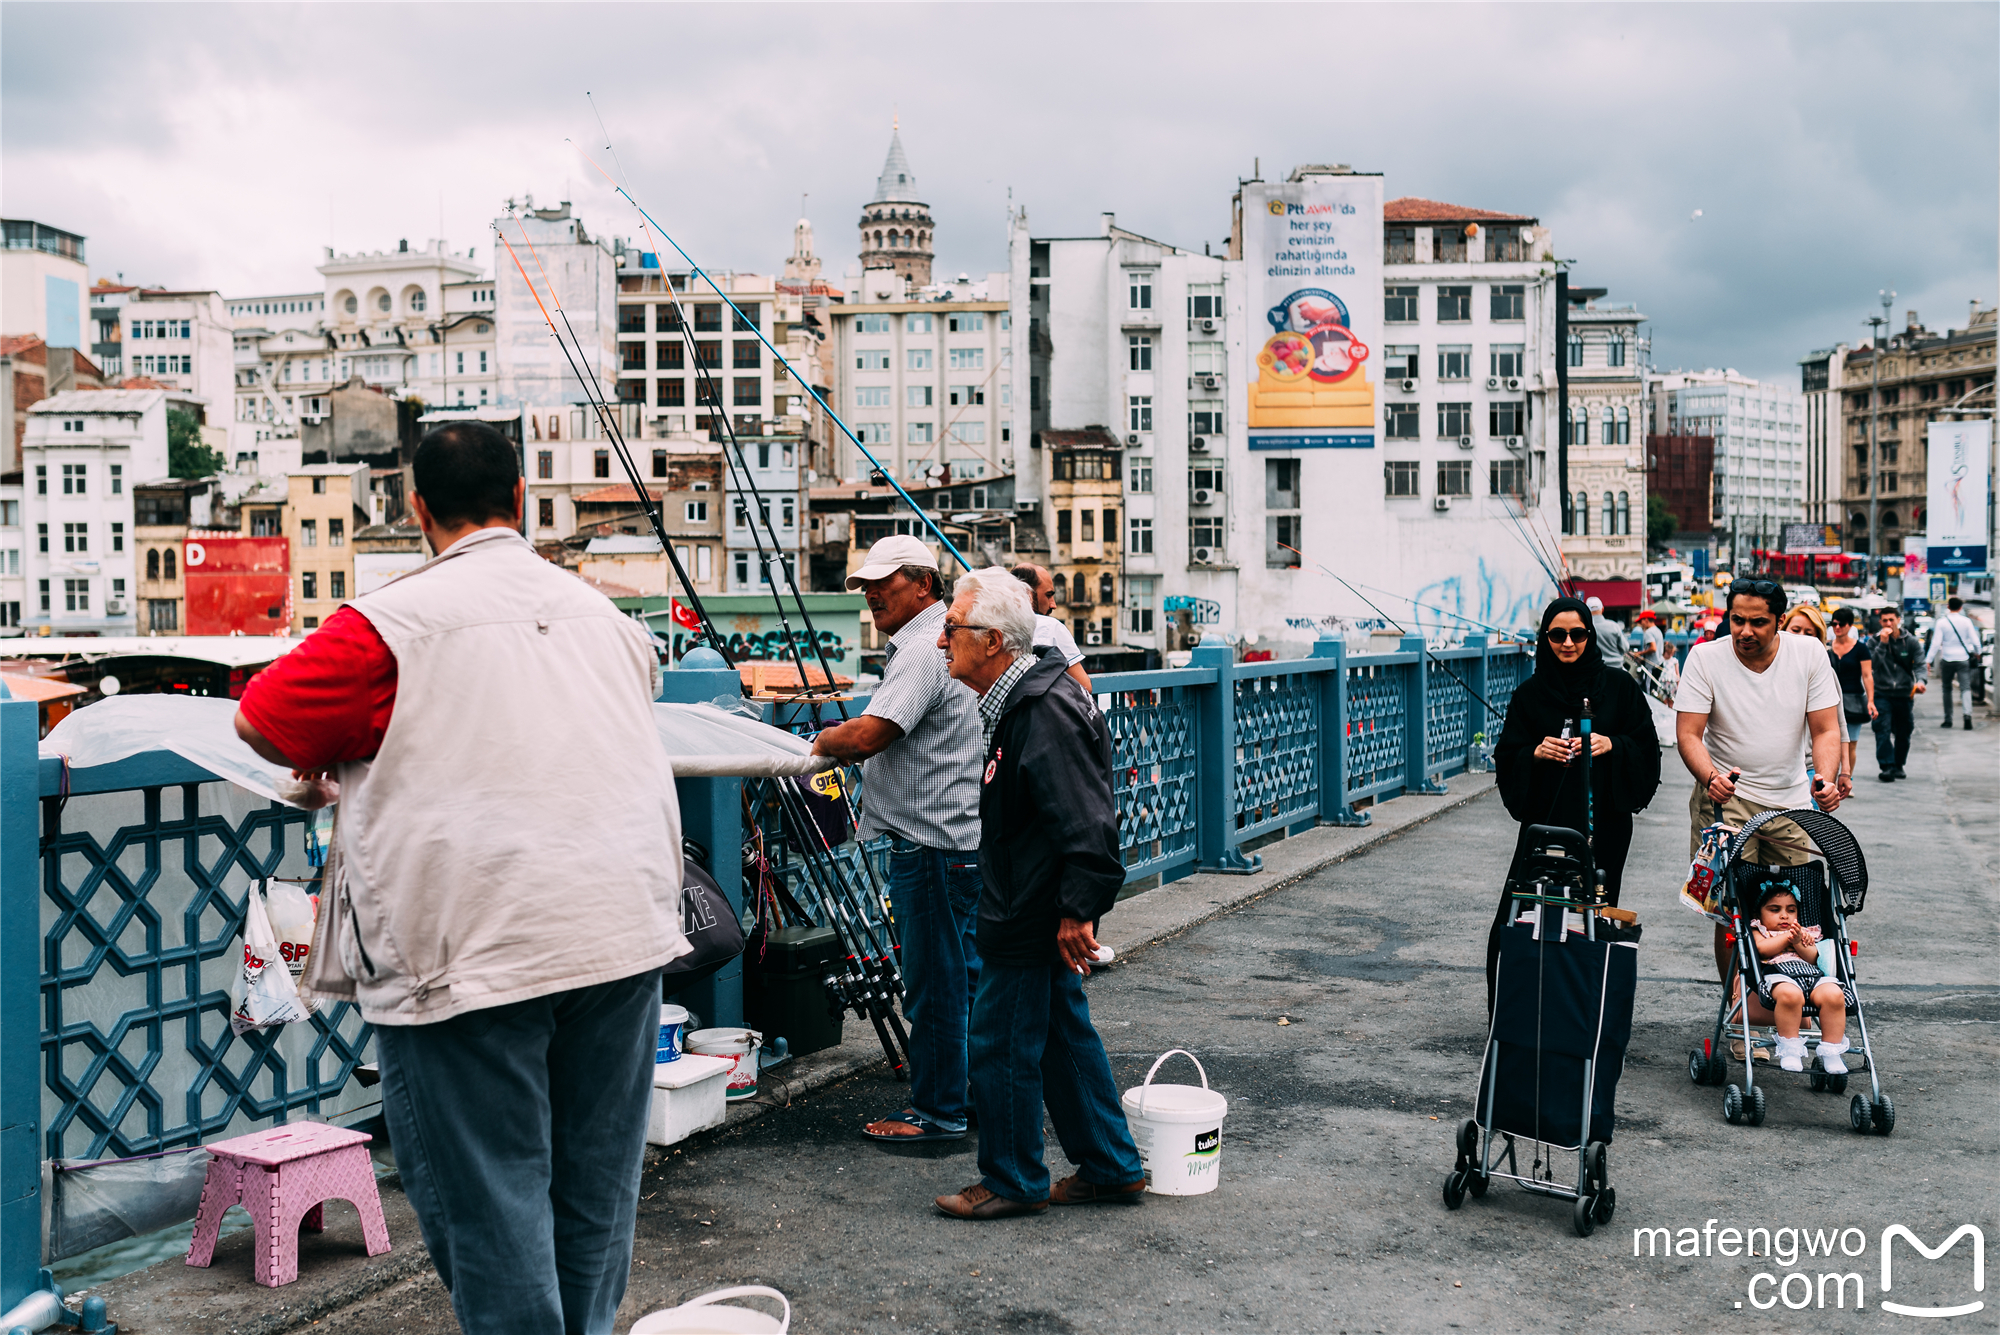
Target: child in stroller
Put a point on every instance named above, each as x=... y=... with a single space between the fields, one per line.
x=1789 y=952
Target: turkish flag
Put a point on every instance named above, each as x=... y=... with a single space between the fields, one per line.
x=685 y=617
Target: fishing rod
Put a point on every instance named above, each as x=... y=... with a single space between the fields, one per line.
x=605 y=417
x=1444 y=611
x=881 y=931
x=804 y=383
x=1439 y=662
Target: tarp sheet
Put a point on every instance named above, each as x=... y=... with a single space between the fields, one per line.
x=700 y=741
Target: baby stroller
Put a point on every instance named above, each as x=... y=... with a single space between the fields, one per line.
x=1828 y=889
x=1555 y=1045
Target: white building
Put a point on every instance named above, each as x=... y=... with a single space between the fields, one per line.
x=1759 y=432
x=179 y=339
x=42 y=283
x=1821 y=379
x=1153 y=347
x=12 y=582
x=1604 y=538
x=82 y=453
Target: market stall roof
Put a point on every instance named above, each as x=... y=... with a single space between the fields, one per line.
x=228 y=650
x=39 y=688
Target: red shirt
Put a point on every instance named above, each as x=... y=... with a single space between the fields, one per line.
x=329 y=700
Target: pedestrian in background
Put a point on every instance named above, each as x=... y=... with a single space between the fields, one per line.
x=1954 y=653
x=1745 y=711
x=1848 y=653
x=1610 y=635
x=1048 y=856
x=919 y=738
x=1898 y=662
x=1049 y=631
x=504 y=888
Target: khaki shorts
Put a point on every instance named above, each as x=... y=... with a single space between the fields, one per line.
x=1781 y=843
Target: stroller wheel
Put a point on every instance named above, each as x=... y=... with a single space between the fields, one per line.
x=1606 y=1204
x=1468 y=1139
x=1817 y=1080
x=1756 y=1109
x=1857 y=1113
x=1697 y=1067
x=1593 y=1165
x=1885 y=1115
x=1837 y=1084
x=1476 y=1183
x=1718 y=1070
x=1454 y=1190
x=1732 y=1103
x=1584 y=1216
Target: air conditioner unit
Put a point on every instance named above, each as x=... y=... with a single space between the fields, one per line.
x=1208 y=381
x=1027 y=507
x=114 y=608
x=1093 y=638
x=1465 y=442
x=1202 y=496
x=1441 y=503
x=1204 y=556
x=1513 y=442
x=1492 y=382
x=1210 y=326
x=1409 y=386
x=1199 y=445
x=1132 y=439
x=1513 y=382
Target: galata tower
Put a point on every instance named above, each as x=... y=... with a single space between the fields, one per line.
x=896 y=226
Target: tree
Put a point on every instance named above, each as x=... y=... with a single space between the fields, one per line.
x=1661 y=523
x=187 y=454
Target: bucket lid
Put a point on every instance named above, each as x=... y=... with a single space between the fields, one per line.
x=725 y=1040
x=1175 y=1103
x=671 y=1014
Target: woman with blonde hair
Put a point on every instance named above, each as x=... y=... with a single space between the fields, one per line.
x=1806 y=619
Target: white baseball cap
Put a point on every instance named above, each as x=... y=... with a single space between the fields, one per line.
x=1594 y=603
x=888 y=556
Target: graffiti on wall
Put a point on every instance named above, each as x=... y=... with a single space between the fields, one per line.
x=1207 y=611
x=1495 y=599
x=770 y=644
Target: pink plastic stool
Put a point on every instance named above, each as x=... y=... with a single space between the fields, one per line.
x=281 y=1177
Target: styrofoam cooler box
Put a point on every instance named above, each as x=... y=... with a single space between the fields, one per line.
x=689 y=1095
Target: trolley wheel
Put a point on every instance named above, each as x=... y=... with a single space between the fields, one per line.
x=1468 y=1139
x=1837 y=1084
x=1755 y=1113
x=1732 y=1103
x=1584 y=1216
x=1857 y=1113
x=1593 y=1165
x=1718 y=1070
x=1885 y=1115
x=1606 y=1204
x=1697 y=1067
x=1454 y=1190
x=1816 y=1080
x=1477 y=1182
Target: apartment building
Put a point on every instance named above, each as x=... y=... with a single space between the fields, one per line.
x=664 y=372
x=165 y=510
x=1604 y=531
x=82 y=452
x=179 y=340
x=1760 y=463
x=13 y=584
x=326 y=504
x=42 y=283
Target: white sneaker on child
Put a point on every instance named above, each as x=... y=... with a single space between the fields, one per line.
x=1791 y=1053
x=1829 y=1057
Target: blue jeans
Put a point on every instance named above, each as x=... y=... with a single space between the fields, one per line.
x=1033 y=1043
x=935 y=895
x=1893 y=721
x=520 y=1131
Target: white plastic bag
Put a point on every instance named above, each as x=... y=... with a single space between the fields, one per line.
x=291 y=912
x=264 y=992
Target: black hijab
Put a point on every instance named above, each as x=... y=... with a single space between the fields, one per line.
x=1566 y=684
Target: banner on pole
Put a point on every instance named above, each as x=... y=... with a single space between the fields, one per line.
x=1960 y=455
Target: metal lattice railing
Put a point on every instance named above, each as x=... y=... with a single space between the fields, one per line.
x=1275 y=779
x=1153 y=772
x=1375 y=728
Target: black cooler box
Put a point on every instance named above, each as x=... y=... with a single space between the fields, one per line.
x=784 y=987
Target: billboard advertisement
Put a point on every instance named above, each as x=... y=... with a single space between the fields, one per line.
x=238 y=585
x=1960 y=455
x=1312 y=253
x=1810 y=540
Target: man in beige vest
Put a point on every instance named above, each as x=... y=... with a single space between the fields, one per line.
x=504 y=890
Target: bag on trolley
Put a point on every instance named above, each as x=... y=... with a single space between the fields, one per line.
x=1561 y=1003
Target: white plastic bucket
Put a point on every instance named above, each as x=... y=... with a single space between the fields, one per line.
x=699 y=1316
x=740 y=1045
x=1178 y=1129
x=673 y=1025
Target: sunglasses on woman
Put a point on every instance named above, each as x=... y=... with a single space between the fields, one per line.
x=1564 y=635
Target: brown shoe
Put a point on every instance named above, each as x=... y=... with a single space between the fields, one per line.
x=976 y=1202
x=1073 y=1190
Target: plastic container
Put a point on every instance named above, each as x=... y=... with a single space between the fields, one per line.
x=673 y=1025
x=1178 y=1129
x=700 y=1316
x=688 y=1096
x=784 y=987
x=740 y=1047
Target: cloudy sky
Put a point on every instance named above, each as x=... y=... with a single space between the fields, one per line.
x=1833 y=150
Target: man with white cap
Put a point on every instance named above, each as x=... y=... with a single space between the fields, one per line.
x=920 y=739
x=1610 y=635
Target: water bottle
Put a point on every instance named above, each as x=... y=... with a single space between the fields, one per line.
x=1569 y=730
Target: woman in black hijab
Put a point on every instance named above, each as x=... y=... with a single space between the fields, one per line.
x=1541 y=779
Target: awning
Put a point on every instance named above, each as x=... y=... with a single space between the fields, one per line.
x=39 y=688
x=1614 y=592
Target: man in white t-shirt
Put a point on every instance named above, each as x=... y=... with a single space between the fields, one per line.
x=1746 y=708
x=1049 y=631
x=1954 y=641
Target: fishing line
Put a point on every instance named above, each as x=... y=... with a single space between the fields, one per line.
x=1443 y=611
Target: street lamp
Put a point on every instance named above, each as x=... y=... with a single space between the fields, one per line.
x=1879 y=325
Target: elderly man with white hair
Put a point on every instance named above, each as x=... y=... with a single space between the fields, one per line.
x=1048 y=857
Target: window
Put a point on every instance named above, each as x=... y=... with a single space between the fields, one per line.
x=1087 y=525
x=1507 y=477
x=1142 y=475
x=1506 y=360
x=319 y=486
x=669 y=356
x=1281 y=484
x=163 y=614
x=1448 y=245
x=1579 y=431
x=1139 y=289
x=1281 y=540
x=708 y=353
x=696 y=512
x=964 y=396
x=871 y=359
x=917 y=324
x=1140 y=408
x=673 y=393
x=1614 y=349
x=1625 y=513
x=545 y=464
x=1206 y=531
x=1400 y=304
x=309 y=585
x=482 y=363
x=965 y=322
x=545 y=512
x=744 y=318
x=76 y=537
x=1400 y=421
x=153 y=564
x=44 y=589
x=600 y=463
x=742 y=569
x=1454 y=304
x=337 y=584
x=1624 y=425
x=1399 y=361
x=1454 y=361
x=1509 y=301
x=1610 y=513
x=1107 y=590
x=1400 y=475
x=871 y=396
x=631 y=356
x=76 y=595
x=917 y=396
x=1575 y=348
x=707 y=318
x=919 y=433
x=872 y=324
x=1454 y=420
x=336 y=532
x=118 y=479
x=1582 y=510
x=1205 y=417
x=1138 y=352
x=1141 y=540
x=1139 y=606
x=73 y=479
x=10 y=514
x=746 y=354
x=1399 y=245
x=1064 y=529
x=1506 y=418
x=969 y=433
x=1454 y=477
x=168 y=564
x=118 y=537
x=749 y=391
x=788 y=511
x=917 y=359
x=1204 y=301
x=1204 y=477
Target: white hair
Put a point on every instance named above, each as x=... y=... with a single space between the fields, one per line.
x=1000 y=602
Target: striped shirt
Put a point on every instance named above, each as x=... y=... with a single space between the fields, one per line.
x=994 y=703
x=924 y=786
